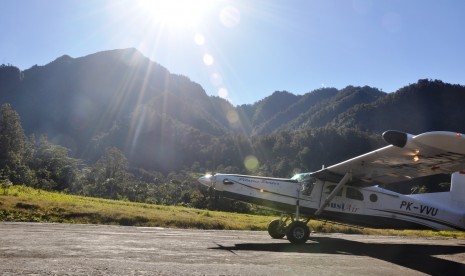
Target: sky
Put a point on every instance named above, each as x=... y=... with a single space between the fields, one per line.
x=244 y=50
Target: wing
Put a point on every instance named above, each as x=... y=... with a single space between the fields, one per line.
x=407 y=157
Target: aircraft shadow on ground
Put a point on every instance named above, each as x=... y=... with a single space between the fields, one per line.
x=419 y=257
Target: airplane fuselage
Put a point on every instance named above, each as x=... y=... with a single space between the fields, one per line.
x=347 y=192
x=369 y=206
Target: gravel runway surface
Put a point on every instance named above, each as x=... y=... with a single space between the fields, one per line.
x=69 y=249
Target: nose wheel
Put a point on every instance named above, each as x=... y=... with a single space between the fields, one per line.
x=277 y=229
x=296 y=232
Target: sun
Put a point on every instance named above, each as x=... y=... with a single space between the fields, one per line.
x=175 y=13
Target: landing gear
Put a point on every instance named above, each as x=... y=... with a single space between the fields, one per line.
x=277 y=229
x=296 y=232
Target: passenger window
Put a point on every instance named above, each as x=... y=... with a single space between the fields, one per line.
x=354 y=194
x=330 y=188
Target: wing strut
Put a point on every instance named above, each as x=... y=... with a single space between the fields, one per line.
x=330 y=197
x=297 y=206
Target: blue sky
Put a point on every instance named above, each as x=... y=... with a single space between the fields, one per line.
x=245 y=50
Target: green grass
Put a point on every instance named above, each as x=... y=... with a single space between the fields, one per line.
x=27 y=204
x=20 y=203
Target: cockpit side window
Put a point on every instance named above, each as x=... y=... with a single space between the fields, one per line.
x=330 y=188
x=307 y=182
x=307 y=187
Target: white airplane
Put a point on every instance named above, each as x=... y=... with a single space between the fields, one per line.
x=348 y=192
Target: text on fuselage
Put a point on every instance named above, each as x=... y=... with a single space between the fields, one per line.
x=343 y=207
x=423 y=209
x=258 y=181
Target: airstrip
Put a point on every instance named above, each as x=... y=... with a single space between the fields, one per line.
x=67 y=249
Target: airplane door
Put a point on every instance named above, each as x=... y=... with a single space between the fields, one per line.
x=337 y=203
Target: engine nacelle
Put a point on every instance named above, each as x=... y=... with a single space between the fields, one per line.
x=397 y=138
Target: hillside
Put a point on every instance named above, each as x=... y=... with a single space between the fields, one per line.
x=77 y=101
x=165 y=122
x=416 y=108
x=320 y=108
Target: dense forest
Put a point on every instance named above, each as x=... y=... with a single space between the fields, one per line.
x=115 y=124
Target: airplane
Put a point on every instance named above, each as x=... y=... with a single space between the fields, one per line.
x=349 y=192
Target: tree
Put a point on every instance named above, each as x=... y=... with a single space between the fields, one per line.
x=54 y=168
x=13 y=147
x=109 y=175
x=113 y=164
x=12 y=138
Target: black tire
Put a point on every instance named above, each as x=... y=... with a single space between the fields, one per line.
x=276 y=230
x=298 y=232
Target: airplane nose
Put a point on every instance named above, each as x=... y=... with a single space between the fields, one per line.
x=206 y=180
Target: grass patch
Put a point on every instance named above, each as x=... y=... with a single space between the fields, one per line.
x=25 y=204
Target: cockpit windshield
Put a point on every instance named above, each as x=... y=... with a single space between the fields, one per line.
x=301 y=177
x=307 y=182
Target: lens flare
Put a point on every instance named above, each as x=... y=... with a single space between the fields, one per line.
x=208 y=59
x=232 y=116
x=251 y=163
x=223 y=92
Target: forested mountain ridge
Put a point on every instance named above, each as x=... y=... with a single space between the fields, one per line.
x=319 y=108
x=77 y=101
x=268 y=107
x=164 y=122
x=423 y=106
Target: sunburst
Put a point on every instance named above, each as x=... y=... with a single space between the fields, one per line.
x=175 y=13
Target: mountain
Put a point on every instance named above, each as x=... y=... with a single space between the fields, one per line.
x=423 y=106
x=267 y=108
x=305 y=104
x=163 y=121
x=75 y=101
x=319 y=108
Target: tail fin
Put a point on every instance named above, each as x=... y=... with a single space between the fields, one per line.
x=457 y=187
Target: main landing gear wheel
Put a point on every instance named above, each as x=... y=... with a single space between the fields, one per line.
x=277 y=229
x=298 y=232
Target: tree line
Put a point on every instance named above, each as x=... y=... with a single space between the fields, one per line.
x=38 y=163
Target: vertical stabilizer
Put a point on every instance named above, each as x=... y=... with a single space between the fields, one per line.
x=457 y=187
